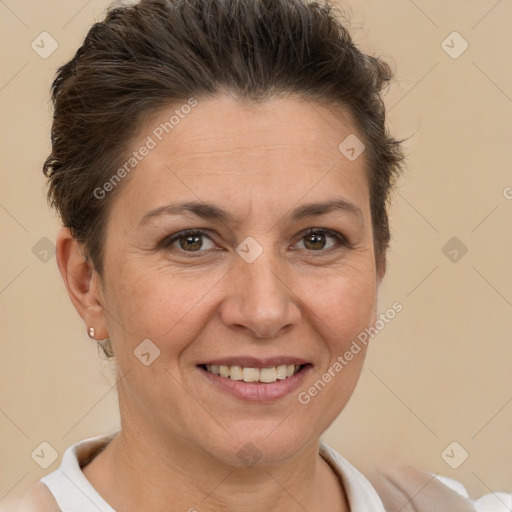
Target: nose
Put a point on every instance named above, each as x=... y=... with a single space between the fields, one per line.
x=260 y=300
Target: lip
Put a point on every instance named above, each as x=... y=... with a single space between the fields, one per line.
x=257 y=391
x=256 y=362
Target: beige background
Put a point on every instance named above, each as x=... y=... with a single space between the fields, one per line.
x=440 y=372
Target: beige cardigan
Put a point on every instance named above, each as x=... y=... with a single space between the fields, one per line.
x=408 y=489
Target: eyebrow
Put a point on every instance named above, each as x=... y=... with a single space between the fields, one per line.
x=210 y=211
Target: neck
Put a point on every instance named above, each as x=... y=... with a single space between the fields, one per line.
x=142 y=472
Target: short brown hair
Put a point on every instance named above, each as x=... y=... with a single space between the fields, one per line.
x=156 y=52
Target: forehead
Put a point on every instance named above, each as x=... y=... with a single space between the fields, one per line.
x=226 y=148
x=229 y=123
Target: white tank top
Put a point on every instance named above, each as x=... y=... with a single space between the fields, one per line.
x=69 y=486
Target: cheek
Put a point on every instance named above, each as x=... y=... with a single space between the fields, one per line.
x=343 y=304
x=342 y=311
x=158 y=303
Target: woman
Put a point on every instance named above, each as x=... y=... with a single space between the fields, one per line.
x=222 y=170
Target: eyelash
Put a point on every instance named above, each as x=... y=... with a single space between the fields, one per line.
x=167 y=241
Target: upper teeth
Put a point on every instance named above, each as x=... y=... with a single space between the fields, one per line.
x=254 y=374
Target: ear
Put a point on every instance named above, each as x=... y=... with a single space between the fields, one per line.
x=82 y=283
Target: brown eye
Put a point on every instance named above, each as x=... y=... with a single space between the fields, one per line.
x=189 y=241
x=315 y=239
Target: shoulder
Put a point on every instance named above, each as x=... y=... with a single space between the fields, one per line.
x=37 y=498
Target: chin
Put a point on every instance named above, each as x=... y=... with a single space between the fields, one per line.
x=261 y=443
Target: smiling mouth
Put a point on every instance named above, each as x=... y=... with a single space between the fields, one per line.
x=255 y=375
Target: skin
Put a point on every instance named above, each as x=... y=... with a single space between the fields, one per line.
x=180 y=434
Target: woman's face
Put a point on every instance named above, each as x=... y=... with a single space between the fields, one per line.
x=255 y=290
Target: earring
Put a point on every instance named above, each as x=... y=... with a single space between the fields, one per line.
x=91 y=332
